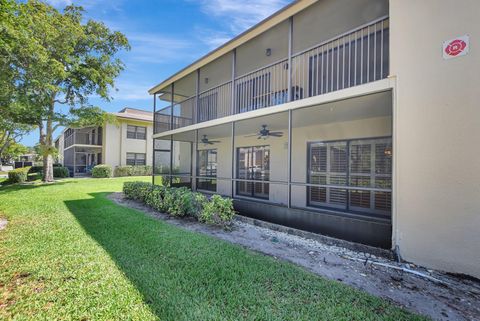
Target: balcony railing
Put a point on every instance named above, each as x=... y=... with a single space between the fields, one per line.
x=357 y=57
x=262 y=88
x=83 y=138
x=352 y=59
x=215 y=103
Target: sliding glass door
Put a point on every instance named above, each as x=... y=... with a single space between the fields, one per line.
x=253 y=164
x=207 y=170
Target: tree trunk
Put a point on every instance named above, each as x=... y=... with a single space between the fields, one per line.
x=48 y=168
x=48 y=146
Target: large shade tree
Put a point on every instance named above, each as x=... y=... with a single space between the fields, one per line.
x=10 y=134
x=55 y=61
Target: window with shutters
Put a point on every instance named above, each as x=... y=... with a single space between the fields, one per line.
x=136 y=159
x=136 y=132
x=253 y=164
x=362 y=163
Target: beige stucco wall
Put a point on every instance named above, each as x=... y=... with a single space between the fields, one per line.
x=217 y=72
x=437 y=126
x=252 y=54
x=329 y=18
x=117 y=145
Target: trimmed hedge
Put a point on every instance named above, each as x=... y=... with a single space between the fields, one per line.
x=18 y=175
x=39 y=168
x=102 y=171
x=182 y=202
x=60 y=172
x=129 y=170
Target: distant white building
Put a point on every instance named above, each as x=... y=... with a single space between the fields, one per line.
x=129 y=142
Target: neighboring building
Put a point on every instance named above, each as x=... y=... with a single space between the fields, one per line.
x=129 y=142
x=354 y=119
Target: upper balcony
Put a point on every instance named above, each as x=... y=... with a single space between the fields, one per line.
x=326 y=47
x=91 y=136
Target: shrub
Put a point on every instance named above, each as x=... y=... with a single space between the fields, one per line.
x=129 y=170
x=182 y=202
x=60 y=172
x=162 y=180
x=121 y=171
x=142 y=170
x=39 y=168
x=218 y=211
x=36 y=169
x=102 y=171
x=155 y=197
x=18 y=175
x=137 y=190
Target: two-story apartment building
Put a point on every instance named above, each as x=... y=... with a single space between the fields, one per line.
x=353 y=119
x=128 y=142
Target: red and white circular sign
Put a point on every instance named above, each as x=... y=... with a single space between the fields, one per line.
x=456 y=47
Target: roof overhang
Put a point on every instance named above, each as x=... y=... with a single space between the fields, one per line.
x=264 y=25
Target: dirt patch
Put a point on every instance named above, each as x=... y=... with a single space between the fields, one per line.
x=3 y=223
x=428 y=292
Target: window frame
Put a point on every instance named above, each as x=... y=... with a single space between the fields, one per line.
x=349 y=208
x=262 y=183
x=135 y=159
x=136 y=133
x=210 y=180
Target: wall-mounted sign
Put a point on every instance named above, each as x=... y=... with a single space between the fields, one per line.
x=456 y=47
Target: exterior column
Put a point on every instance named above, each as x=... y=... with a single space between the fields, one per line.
x=172 y=103
x=289 y=159
x=194 y=161
x=171 y=160
x=171 y=136
x=234 y=72
x=197 y=97
x=233 y=159
x=290 y=38
x=153 y=139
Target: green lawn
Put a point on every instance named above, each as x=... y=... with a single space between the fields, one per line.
x=69 y=253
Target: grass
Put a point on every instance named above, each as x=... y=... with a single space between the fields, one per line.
x=70 y=253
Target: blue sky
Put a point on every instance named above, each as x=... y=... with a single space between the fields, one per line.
x=165 y=36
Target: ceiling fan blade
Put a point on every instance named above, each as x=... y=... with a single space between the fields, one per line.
x=276 y=134
x=215 y=141
x=251 y=135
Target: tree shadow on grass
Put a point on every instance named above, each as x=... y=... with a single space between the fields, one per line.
x=184 y=275
x=6 y=188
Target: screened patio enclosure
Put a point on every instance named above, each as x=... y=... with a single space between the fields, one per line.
x=80 y=160
x=334 y=159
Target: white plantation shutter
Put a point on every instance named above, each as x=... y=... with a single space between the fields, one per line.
x=366 y=163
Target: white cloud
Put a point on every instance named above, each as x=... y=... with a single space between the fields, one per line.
x=241 y=15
